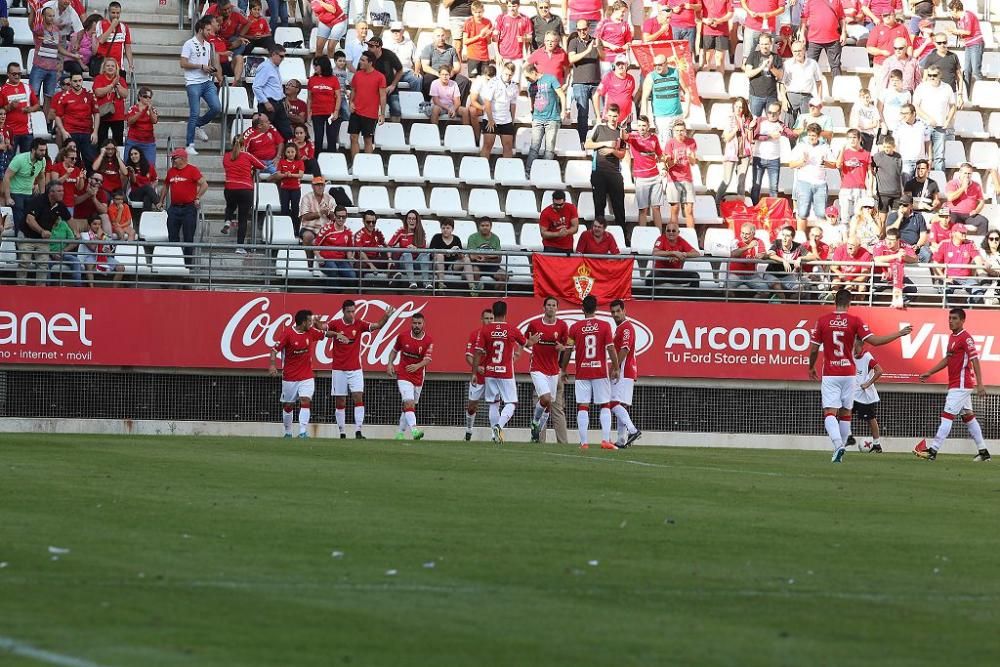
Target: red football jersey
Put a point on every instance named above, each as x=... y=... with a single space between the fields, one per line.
x=961 y=352
x=470 y=348
x=498 y=341
x=347 y=356
x=544 y=356
x=298 y=352
x=591 y=338
x=836 y=332
x=412 y=351
x=625 y=337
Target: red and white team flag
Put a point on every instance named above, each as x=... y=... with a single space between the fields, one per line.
x=573 y=278
x=770 y=214
x=678 y=53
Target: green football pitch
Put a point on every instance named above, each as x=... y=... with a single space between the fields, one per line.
x=148 y=551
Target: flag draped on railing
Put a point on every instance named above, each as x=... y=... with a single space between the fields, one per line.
x=770 y=214
x=573 y=278
x=678 y=53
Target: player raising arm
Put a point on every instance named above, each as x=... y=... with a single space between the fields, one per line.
x=592 y=342
x=544 y=369
x=296 y=344
x=412 y=354
x=836 y=333
x=477 y=383
x=961 y=359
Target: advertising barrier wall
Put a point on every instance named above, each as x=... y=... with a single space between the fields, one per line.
x=233 y=330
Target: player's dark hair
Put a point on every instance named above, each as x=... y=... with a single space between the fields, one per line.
x=301 y=316
x=486 y=310
x=499 y=309
x=348 y=303
x=843 y=298
x=546 y=300
x=618 y=303
x=960 y=312
x=589 y=304
x=417 y=316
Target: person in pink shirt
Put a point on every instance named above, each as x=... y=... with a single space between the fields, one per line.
x=551 y=58
x=965 y=199
x=588 y=10
x=644 y=148
x=618 y=87
x=853 y=162
x=967 y=27
x=957 y=254
x=657 y=27
x=683 y=19
x=513 y=33
x=613 y=34
x=875 y=11
x=762 y=17
x=881 y=39
x=716 y=15
x=679 y=154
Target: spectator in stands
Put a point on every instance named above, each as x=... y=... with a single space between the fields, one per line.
x=597 y=241
x=767 y=151
x=295 y=108
x=901 y=60
x=264 y=142
x=746 y=247
x=49 y=54
x=558 y=224
x=201 y=75
x=110 y=91
x=761 y=19
x=391 y=68
x=499 y=99
x=547 y=112
x=893 y=255
x=545 y=22
x=323 y=105
x=887 y=166
x=117 y=38
x=784 y=269
x=911 y=228
x=477 y=34
x=801 y=81
x=445 y=100
x=92 y=200
x=680 y=154
x=715 y=18
x=485 y=265
x=815 y=116
x=661 y=89
x=66 y=16
x=853 y=163
x=551 y=59
x=110 y=165
x=120 y=215
x=411 y=265
x=911 y=140
x=613 y=33
x=68 y=171
x=41 y=212
x=442 y=54
x=186 y=185
x=866 y=119
x=77 y=117
x=306 y=149
x=990 y=250
x=816 y=250
x=337 y=264
x=24 y=178
x=316 y=210
x=958 y=254
x=948 y=65
x=142 y=179
x=866 y=225
x=406 y=51
x=966 y=201
x=607 y=140
x=449 y=262
x=882 y=38
x=683 y=21
x=513 y=31
x=810 y=158
x=331 y=28
x=618 y=88
x=939 y=230
x=256 y=30
x=372 y=265
x=277 y=11
x=967 y=28
x=584 y=56
x=141 y=119
x=646 y=153
x=852 y=277
x=892 y=101
x=475 y=105
x=459 y=12
x=227 y=30
x=936 y=105
x=657 y=28
x=583 y=10
x=674 y=250
x=738 y=142
x=368 y=98
x=290 y=170
x=270 y=93
x=353 y=49
x=764 y=69
x=824 y=26
x=17 y=97
x=62 y=254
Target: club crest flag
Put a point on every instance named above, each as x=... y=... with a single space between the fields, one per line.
x=678 y=53
x=573 y=278
x=770 y=214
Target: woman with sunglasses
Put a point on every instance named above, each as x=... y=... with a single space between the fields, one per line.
x=141 y=119
x=66 y=170
x=990 y=250
x=142 y=179
x=411 y=237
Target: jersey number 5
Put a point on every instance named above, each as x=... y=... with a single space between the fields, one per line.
x=838 y=344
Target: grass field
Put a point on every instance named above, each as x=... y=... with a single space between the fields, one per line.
x=231 y=551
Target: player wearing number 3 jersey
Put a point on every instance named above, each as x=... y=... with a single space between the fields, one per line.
x=836 y=334
x=592 y=343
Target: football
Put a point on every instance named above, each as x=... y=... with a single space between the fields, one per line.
x=865 y=446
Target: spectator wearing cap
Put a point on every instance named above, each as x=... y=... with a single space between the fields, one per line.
x=936 y=105
x=399 y=42
x=367 y=104
x=185 y=186
x=617 y=88
x=558 y=224
x=939 y=229
x=239 y=166
x=270 y=93
x=865 y=224
x=966 y=201
x=440 y=54
x=853 y=162
x=316 y=210
x=202 y=72
x=816 y=116
x=613 y=34
x=391 y=68
x=477 y=33
x=911 y=227
x=801 y=82
x=824 y=26
x=958 y=254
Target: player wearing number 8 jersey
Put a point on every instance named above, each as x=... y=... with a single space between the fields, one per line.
x=544 y=367
x=413 y=350
x=965 y=376
x=836 y=333
x=477 y=384
x=628 y=372
x=592 y=343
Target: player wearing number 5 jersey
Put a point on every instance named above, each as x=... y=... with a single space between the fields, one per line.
x=964 y=377
x=593 y=343
x=544 y=367
x=477 y=384
x=494 y=358
x=628 y=372
x=836 y=333
x=413 y=350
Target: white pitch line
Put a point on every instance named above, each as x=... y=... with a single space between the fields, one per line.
x=660 y=465
x=16 y=647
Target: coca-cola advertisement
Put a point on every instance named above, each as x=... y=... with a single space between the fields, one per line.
x=234 y=330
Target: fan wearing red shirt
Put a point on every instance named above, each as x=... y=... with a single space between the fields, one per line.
x=186 y=186
x=592 y=342
x=679 y=154
x=853 y=163
x=851 y=277
x=17 y=97
x=881 y=38
x=597 y=240
x=544 y=368
x=413 y=349
x=614 y=33
x=558 y=224
x=623 y=387
x=76 y=116
x=953 y=254
x=367 y=105
x=118 y=41
x=824 y=24
x=644 y=148
x=336 y=263
x=674 y=250
x=296 y=344
x=323 y=106
x=263 y=141
x=617 y=87
x=965 y=376
x=836 y=333
x=290 y=169
x=716 y=15
x=495 y=348
x=66 y=171
x=682 y=21
x=140 y=120
x=256 y=30
x=110 y=88
x=761 y=17
x=477 y=383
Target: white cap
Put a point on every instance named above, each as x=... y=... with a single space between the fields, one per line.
x=866 y=201
x=396 y=25
x=815 y=102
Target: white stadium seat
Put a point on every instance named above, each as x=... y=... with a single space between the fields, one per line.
x=986 y=94
x=169 y=260
x=409 y=104
x=418 y=15
x=267 y=195
x=578 y=174
x=984 y=155
x=846 y=88
x=368 y=168
x=133 y=258
x=568 y=144
x=376 y=198
x=293 y=68
x=292 y=263
x=425 y=137
x=954 y=154
x=389 y=137
x=969 y=124
x=333 y=166
x=440 y=170
x=485 y=201
x=505 y=232
x=739 y=85
x=409 y=197
x=711 y=86
x=475 y=170
x=447 y=202
x=153 y=226
x=531 y=236
x=282 y=230
x=545 y=174
x=709 y=147
x=509 y=171
x=521 y=204
x=403 y=168
x=460 y=139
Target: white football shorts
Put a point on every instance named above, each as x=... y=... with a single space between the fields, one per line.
x=838 y=391
x=596 y=391
x=544 y=384
x=344 y=381
x=476 y=391
x=291 y=390
x=505 y=388
x=621 y=390
x=409 y=392
x=958 y=401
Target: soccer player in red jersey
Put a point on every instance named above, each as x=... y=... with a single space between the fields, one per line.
x=477 y=383
x=836 y=333
x=347 y=373
x=495 y=346
x=414 y=348
x=628 y=372
x=297 y=382
x=544 y=369
x=961 y=359
x=593 y=343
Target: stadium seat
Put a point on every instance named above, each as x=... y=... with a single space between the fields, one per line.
x=619 y=235
x=837 y=119
x=132 y=257
x=403 y=168
x=531 y=236
x=578 y=174
x=282 y=231
x=475 y=170
x=711 y=86
x=440 y=170
x=521 y=204
x=22 y=31
x=518 y=268
x=464 y=228
x=8 y=253
x=413 y=197
x=969 y=124
x=153 y=226
x=522 y=142
x=293 y=68
x=585 y=205
x=643 y=240
x=522 y=110
x=505 y=232
x=425 y=137
x=376 y=198
x=389 y=226
x=991 y=64
x=986 y=94
x=431 y=227
x=12 y=54
x=460 y=139
x=292 y=34
x=389 y=137
x=368 y=168
x=485 y=201
x=38 y=126
x=380 y=13
x=719 y=115
x=292 y=263
x=705 y=212
x=846 y=88
x=984 y=155
x=739 y=85
x=333 y=166
x=954 y=154
x=169 y=261
x=696 y=118
x=704 y=270
x=418 y=15
x=709 y=147
x=855 y=59
x=568 y=144
x=267 y=195
x=718 y=241
x=545 y=174
x=631 y=208
x=409 y=104
x=447 y=202
x=509 y=172
x=691 y=236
